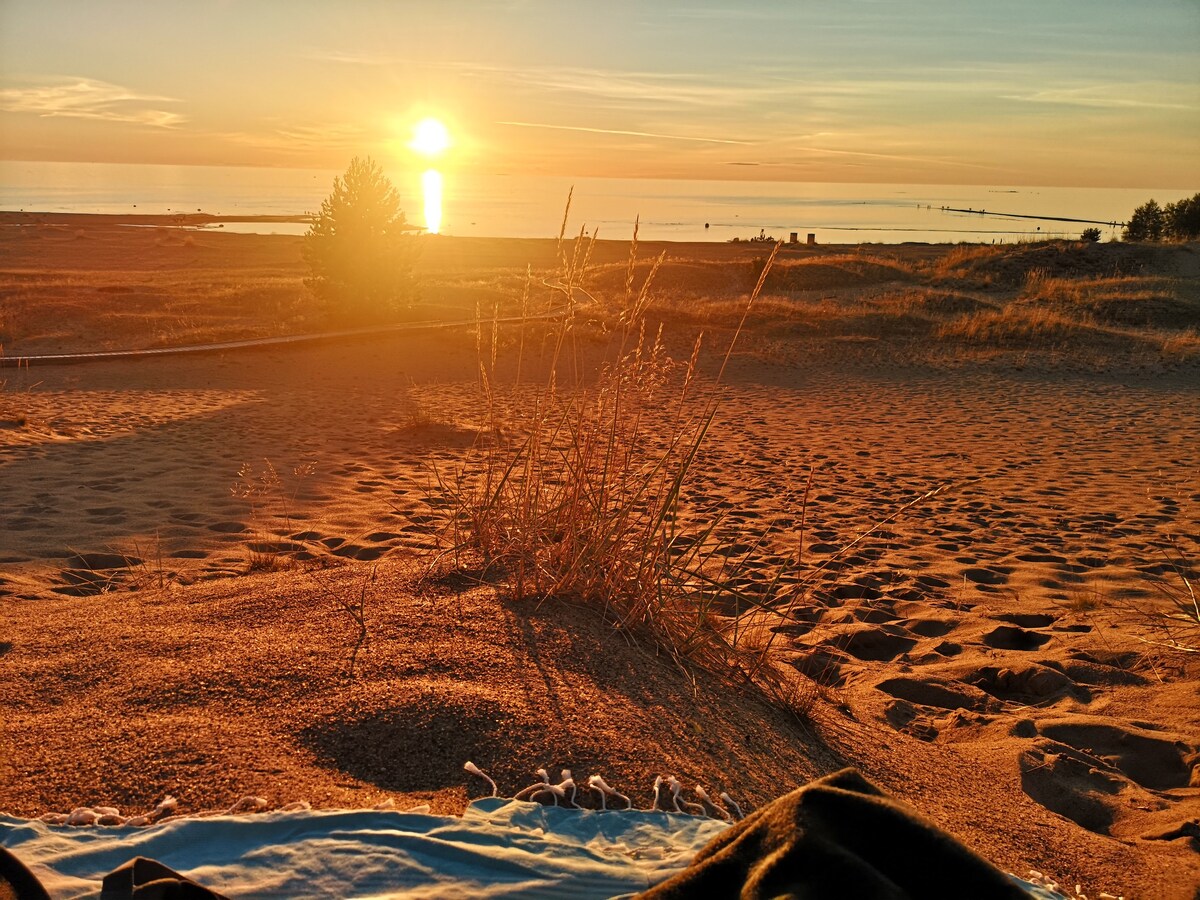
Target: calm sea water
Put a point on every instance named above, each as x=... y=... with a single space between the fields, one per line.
x=532 y=206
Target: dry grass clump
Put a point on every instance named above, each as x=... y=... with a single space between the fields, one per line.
x=961 y=263
x=1013 y=327
x=781 y=319
x=583 y=506
x=1175 y=621
x=831 y=272
x=1181 y=348
x=1179 y=623
x=272 y=504
x=1010 y=265
x=135 y=288
x=107 y=311
x=1137 y=302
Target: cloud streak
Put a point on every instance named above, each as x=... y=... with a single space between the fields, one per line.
x=895 y=157
x=88 y=98
x=1099 y=97
x=300 y=139
x=351 y=58
x=648 y=134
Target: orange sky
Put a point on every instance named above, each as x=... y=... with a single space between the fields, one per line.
x=1097 y=93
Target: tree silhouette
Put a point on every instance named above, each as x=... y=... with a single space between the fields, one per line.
x=1183 y=219
x=360 y=247
x=1146 y=223
x=1178 y=221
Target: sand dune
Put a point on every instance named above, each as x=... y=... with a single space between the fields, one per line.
x=981 y=654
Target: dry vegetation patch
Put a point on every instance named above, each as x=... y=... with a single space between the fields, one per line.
x=1017 y=328
x=1010 y=265
x=675 y=279
x=123 y=288
x=836 y=271
x=128 y=288
x=1132 y=301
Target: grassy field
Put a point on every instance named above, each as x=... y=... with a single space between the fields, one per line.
x=101 y=288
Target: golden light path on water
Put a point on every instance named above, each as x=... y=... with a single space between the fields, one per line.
x=431 y=189
x=431 y=140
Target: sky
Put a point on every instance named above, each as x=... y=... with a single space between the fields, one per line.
x=1073 y=93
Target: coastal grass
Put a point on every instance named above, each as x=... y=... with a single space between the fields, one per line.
x=578 y=498
x=109 y=311
x=124 y=288
x=274 y=545
x=1175 y=620
x=1012 y=327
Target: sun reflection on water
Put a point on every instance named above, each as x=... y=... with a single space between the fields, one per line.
x=431 y=189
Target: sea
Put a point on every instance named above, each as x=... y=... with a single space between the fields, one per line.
x=499 y=204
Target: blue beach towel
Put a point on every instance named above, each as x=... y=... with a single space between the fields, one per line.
x=498 y=849
x=837 y=837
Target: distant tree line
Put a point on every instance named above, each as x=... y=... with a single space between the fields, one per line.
x=1178 y=221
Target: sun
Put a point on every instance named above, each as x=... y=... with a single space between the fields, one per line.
x=430 y=138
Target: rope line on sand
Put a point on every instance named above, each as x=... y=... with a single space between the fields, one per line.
x=70 y=359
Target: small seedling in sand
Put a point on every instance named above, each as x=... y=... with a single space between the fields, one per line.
x=1084 y=602
x=269 y=499
x=146 y=573
x=354 y=606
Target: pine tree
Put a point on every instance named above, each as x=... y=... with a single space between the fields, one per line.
x=360 y=247
x=1146 y=223
x=1183 y=219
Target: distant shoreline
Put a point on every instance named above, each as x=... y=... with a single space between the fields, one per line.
x=717 y=249
x=22 y=217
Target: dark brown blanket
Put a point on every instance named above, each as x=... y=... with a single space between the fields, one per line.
x=837 y=837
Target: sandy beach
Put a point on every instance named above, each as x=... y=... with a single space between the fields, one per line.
x=983 y=460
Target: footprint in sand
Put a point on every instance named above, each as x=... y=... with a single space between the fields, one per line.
x=189 y=554
x=229 y=527
x=1155 y=759
x=1095 y=770
x=1010 y=637
x=1027 y=683
x=1027 y=620
x=872 y=643
x=940 y=693
x=930 y=627
x=989 y=577
x=360 y=552
x=824 y=665
x=1101 y=669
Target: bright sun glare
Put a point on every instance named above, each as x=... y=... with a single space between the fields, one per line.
x=430 y=138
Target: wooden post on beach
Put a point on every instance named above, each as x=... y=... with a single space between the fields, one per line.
x=812 y=240
x=795 y=239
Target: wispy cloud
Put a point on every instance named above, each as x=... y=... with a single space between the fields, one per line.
x=87 y=98
x=351 y=58
x=304 y=139
x=1108 y=97
x=650 y=88
x=647 y=134
x=633 y=89
x=894 y=157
